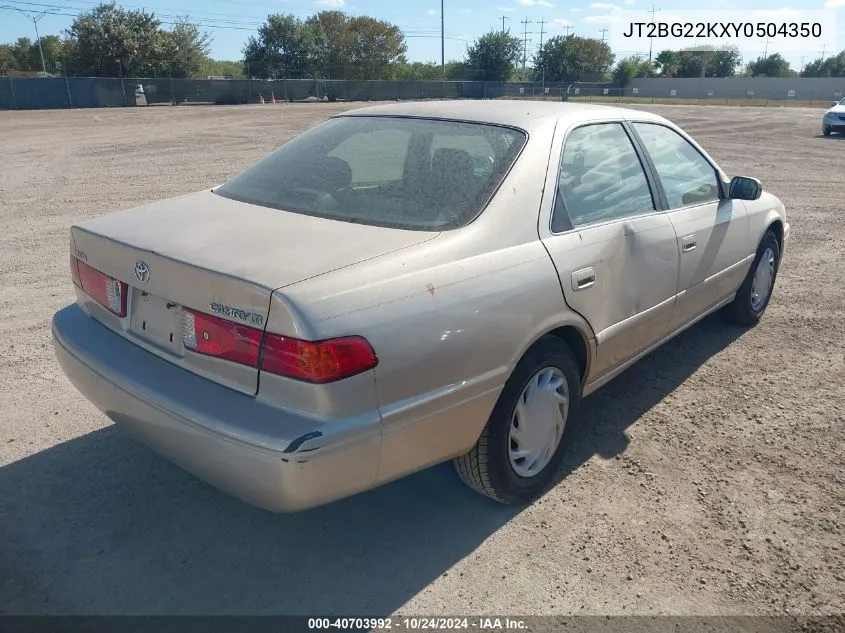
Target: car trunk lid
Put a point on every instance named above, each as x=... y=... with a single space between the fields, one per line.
x=216 y=256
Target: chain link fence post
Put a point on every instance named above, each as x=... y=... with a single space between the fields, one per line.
x=12 y=90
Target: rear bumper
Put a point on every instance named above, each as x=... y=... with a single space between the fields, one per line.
x=262 y=454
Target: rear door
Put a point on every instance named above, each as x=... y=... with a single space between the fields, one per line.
x=712 y=233
x=614 y=249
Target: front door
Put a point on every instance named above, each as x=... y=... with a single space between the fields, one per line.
x=614 y=250
x=713 y=233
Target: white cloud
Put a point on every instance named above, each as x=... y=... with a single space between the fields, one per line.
x=785 y=12
x=832 y=4
x=531 y=3
x=330 y=3
x=560 y=23
x=604 y=5
x=629 y=1
x=432 y=12
x=599 y=19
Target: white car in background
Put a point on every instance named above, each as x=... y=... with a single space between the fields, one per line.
x=834 y=118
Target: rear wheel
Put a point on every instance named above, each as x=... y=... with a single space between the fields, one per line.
x=753 y=295
x=520 y=448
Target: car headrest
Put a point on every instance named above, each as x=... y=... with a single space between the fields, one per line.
x=332 y=173
x=452 y=165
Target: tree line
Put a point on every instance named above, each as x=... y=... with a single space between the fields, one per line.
x=110 y=41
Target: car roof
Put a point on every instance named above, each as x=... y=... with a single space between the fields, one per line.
x=523 y=114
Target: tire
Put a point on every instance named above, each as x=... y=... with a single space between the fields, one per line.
x=744 y=310
x=826 y=130
x=488 y=468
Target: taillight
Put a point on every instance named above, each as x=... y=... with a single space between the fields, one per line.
x=213 y=336
x=74 y=272
x=107 y=291
x=317 y=361
x=309 y=361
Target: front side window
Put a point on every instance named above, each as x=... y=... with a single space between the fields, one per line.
x=687 y=177
x=398 y=172
x=600 y=178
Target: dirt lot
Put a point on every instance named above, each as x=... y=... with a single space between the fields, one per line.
x=709 y=479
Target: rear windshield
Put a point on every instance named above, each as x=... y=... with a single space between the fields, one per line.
x=416 y=174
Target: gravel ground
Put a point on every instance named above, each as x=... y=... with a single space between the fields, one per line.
x=708 y=479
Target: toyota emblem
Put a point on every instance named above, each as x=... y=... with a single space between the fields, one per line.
x=142 y=272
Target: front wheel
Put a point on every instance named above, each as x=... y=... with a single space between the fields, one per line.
x=826 y=130
x=753 y=295
x=520 y=448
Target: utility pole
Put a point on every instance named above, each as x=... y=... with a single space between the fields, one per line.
x=442 y=41
x=34 y=19
x=651 y=39
x=603 y=31
x=567 y=28
x=824 y=49
x=801 y=67
x=525 y=24
x=504 y=17
x=542 y=22
x=766 y=50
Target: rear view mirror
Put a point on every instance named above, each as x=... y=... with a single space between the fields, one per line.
x=742 y=188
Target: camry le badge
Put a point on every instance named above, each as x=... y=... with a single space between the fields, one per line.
x=142 y=272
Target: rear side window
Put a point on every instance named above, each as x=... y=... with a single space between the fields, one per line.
x=600 y=179
x=415 y=174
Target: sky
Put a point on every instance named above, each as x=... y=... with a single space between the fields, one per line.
x=230 y=22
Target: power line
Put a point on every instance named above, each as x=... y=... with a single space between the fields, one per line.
x=525 y=24
x=35 y=19
x=542 y=23
x=442 y=40
x=603 y=31
x=651 y=39
x=504 y=17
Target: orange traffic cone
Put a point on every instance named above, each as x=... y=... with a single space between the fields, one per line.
x=260 y=98
x=272 y=97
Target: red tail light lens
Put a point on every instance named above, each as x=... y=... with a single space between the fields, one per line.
x=213 y=336
x=107 y=291
x=320 y=361
x=309 y=361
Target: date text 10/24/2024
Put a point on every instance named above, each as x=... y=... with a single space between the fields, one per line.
x=416 y=624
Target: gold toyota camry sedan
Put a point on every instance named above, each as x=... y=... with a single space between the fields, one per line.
x=408 y=284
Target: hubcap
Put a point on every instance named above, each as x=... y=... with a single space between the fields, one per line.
x=763 y=277
x=538 y=422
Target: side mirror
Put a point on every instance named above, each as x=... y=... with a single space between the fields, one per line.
x=742 y=188
x=834 y=103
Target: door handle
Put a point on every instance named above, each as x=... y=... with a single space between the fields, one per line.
x=688 y=243
x=584 y=278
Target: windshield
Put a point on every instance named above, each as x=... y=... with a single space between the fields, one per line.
x=406 y=173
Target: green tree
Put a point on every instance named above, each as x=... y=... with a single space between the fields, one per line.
x=833 y=66
x=773 y=65
x=574 y=58
x=628 y=68
x=220 y=68
x=112 y=41
x=494 y=56
x=722 y=62
x=182 y=49
x=333 y=42
x=8 y=61
x=375 y=46
x=668 y=62
x=285 y=47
